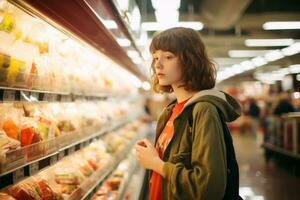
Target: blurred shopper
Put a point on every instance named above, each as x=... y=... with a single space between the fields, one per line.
x=254 y=113
x=284 y=106
x=190 y=157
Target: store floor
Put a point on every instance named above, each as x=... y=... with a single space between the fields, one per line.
x=260 y=180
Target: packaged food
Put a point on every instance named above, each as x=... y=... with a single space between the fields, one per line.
x=10 y=129
x=4 y=196
x=8 y=144
x=66 y=176
x=26 y=191
x=68 y=189
x=32 y=130
x=47 y=193
x=7 y=22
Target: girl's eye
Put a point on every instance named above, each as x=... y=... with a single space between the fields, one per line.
x=155 y=58
x=169 y=57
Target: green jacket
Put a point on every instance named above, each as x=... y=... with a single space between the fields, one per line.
x=195 y=160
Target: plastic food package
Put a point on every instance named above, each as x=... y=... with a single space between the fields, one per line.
x=7 y=144
x=4 y=196
x=26 y=191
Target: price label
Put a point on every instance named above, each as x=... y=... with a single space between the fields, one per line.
x=25 y=96
x=71 y=150
x=18 y=175
x=66 y=98
x=50 y=97
x=9 y=95
x=33 y=168
x=34 y=96
x=61 y=155
x=53 y=160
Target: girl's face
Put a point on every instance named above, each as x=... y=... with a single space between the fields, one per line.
x=167 y=68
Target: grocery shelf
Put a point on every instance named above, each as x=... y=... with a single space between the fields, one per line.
x=126 y=182
x=22 y=168
x=136 y=184
x=114 y=164
x=9 y=94
x=273 y=148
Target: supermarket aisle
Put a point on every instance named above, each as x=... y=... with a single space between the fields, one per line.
x=261 y=181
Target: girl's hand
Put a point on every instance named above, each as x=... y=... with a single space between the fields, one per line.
x=148 y=156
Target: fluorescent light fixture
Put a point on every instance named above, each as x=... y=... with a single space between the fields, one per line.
x=246 y=53
x=291 y=50
x=124 y=4
x=268 y=42
x=123 y=42
x=166 y=5
x=136 y=19
x=155 y=26
x=274 y=55
x=247 y=65
x=137 y=60
x=294 y=68
x=167 y=16
x=281 y=25
x=237 y=69
x=132 y=53
x=258 y=61
x=110 y=24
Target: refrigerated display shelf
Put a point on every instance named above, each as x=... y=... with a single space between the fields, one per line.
x=12 y=175
x=116 y=161
x=279 y=150
x=125 y=184
x=136 y=184
x=19 y=94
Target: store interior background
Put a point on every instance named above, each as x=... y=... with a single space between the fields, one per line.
x=255 y=45
x=257 y=62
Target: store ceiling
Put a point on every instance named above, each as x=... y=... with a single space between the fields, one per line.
x=228 y=23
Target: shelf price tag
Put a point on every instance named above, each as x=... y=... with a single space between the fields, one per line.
x=53 y=159
x=25 y=96
x=34 y=96
x=9 y=95
x=71 y=150
x=61 y=155
x=33 y=168
x=18 y=175
x=50 y=97
x=66 y=98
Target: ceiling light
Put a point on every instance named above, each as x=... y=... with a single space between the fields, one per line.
x=110 y=24
x=281 y=25
x=258 y=61
x=123 y=42
x=268 y=42
x=274 y=55
x=132 y=53
x=246 y=53
x=294 y=68
x=247 y=65
x=166 y=5
x=155 y=26
x=166 y=17
x=291 y=50
x=137 y=60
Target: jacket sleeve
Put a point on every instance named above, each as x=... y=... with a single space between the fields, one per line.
x=206 y=180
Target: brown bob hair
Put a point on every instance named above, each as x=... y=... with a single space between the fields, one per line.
x=198 y=71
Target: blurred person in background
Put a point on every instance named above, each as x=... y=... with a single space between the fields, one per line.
x=284 y=105
x=254 y=113
x=188 y=160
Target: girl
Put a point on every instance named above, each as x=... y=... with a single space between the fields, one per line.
x=188 y=161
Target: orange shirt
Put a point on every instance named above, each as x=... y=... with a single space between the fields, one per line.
x=161 y=145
